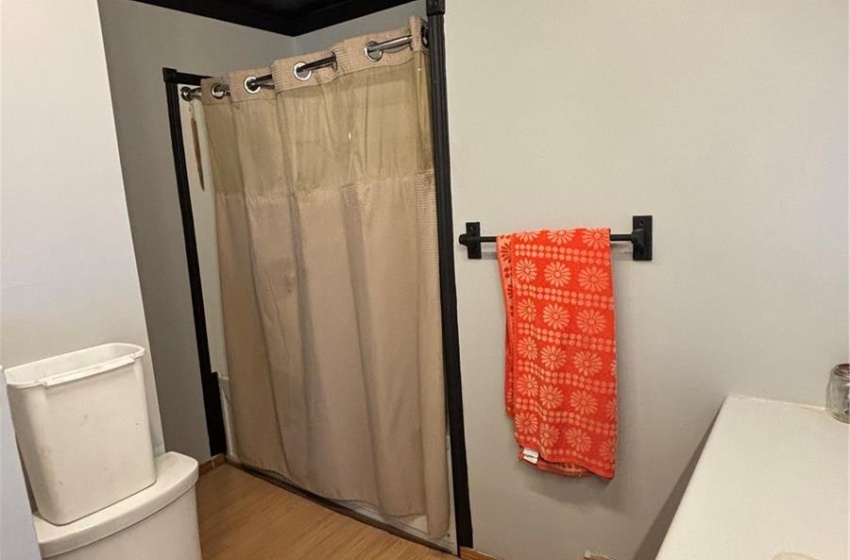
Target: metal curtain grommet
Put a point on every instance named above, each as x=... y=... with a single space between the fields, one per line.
x=296 y=71
x=218 y=91
x=251 y=85
x=186 y=93
x=374 y=55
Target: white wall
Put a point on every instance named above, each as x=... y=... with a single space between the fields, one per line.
x=17 y=535
x=69 y=275
x=726 y=120
x=140 y=40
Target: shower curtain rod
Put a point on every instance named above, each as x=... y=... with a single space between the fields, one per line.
x=303 y=70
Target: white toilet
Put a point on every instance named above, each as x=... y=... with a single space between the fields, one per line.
x=158 y=523
x=81 y=421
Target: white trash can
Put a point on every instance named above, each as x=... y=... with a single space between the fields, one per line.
x=81 y=421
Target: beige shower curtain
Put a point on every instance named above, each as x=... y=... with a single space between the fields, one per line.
x=327 y=245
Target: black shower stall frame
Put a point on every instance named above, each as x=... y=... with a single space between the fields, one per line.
x=448 y=288
x=445 y=234
x=209 y=379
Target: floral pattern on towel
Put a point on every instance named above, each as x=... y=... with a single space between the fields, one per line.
x=560 y=350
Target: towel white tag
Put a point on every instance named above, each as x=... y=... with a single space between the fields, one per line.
x=530 y=455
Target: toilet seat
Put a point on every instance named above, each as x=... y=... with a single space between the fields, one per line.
x=176 y=475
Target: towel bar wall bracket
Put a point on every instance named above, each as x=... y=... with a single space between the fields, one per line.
x=640 y=238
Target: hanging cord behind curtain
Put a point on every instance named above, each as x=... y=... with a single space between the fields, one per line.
x=303 y=71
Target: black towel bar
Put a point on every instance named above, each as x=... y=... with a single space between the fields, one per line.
x=640 y=238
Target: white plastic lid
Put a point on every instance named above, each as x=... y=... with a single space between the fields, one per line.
x=175 y=475
x=73 y=365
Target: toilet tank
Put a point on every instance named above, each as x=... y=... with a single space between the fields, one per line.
x=81 y=422
x=158 y=523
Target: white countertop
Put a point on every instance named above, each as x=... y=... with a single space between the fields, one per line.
x=771 y=484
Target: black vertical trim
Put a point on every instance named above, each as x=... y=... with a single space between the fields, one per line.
x=448 y=291
x=209 y=379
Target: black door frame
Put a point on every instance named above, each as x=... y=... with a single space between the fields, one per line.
x=448 y=289
x=209 y=378
x=445 y=234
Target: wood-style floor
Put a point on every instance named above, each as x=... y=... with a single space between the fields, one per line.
x=242 y=517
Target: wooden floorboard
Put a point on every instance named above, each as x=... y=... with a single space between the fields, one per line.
x=242 y=517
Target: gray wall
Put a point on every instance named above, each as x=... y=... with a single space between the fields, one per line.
x=725 y=119
x=140 y=40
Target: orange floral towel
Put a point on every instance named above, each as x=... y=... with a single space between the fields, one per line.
x=560 y=352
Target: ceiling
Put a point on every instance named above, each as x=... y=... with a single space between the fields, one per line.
x=289 y=17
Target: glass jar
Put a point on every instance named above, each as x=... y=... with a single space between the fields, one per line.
x=838 y=393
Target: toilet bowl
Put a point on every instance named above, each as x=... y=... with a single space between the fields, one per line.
x=160 y=522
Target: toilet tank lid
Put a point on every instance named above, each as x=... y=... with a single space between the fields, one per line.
x=175 y=475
